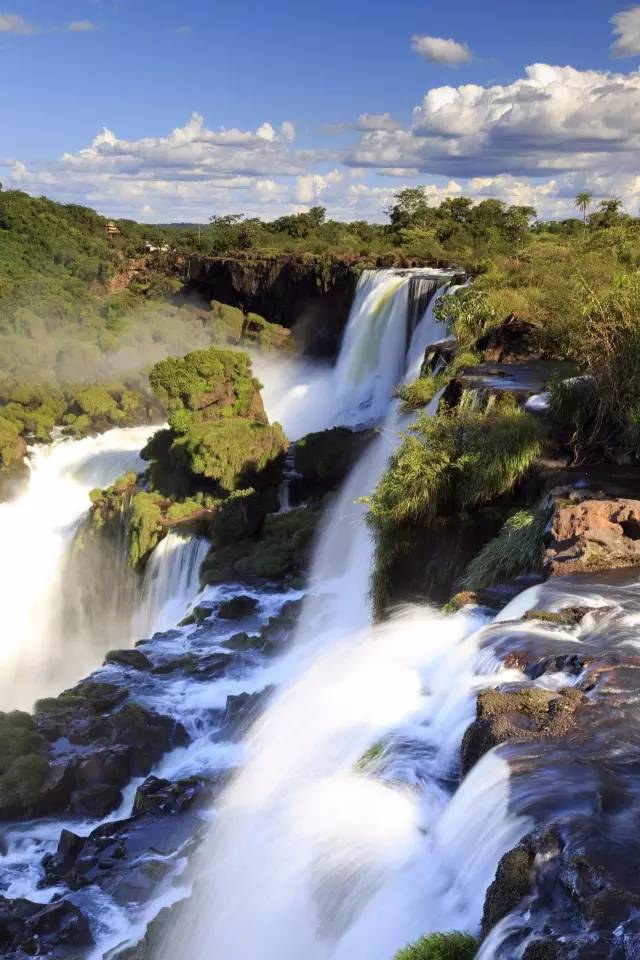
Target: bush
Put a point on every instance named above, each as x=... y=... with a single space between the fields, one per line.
x=441 y=946
x=518 y=549
x=418 y=394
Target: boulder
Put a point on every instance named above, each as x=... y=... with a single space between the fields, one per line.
x=56 y=930
x=527 y=713
x=515 y=877
x=128 y=658
x=237 y=608
x=587 y=535
x=511 y=341
x=241 y=710
x=157 y=796
x=95 y=802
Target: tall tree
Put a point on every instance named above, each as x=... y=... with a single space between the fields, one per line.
x=583 y=201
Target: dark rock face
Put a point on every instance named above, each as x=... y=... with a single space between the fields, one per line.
x=242 y=710
x=509 y=716
x=323 y=460
x=307 y=296
x=511 y=341
x=237 y=608
x=128 y=658
x=127 y=857
x=590 y=534
x=57 y=930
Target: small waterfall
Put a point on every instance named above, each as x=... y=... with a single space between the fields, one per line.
x=171 y=583
x=421 y=291
x=36 y=532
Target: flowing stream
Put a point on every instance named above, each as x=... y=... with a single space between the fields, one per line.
x=343 y=833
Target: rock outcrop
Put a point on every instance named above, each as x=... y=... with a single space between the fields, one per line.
x=588 y=534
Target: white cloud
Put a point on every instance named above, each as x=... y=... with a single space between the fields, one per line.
x=551 y=120
x=449 y=52
x=14 y=23
x=377 y=121
x=626 y=27
x=81 y=26
x=311 y=185
x=288 y=131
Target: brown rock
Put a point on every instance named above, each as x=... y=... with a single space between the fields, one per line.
x=591 y=535
x=528 y=713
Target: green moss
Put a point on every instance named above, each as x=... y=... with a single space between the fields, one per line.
x=418 y=394
x=327 y=456
x=232 y=452
x=145 y=526
x=440 y=946
x=17 y=738
x=66 y=701
x=518 y=549
x=12 y=447
x=370 y=757
x=21 y=785
x=279 y=552
x=207 y=385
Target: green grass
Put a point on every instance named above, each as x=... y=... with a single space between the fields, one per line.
x=518 y=549
x=440 y=946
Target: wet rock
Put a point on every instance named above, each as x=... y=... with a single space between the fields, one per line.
x=570 y=663
x=157 y=796
x=57 y=930
x=128 y=658
x=197 y=615
x=568 y=617
x=101 y=696
x=237 y=608
x=185 y=662
x=95 y=802
x=515 y=876
x=323 y=460
x=528 y=713
x=242 y=641
x=209 y=667
x=242 y=710
x=587 y=535
x=127 y=858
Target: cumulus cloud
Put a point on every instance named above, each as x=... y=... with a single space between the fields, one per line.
x=16 y=24
x=449 y=52
x=81 y=26
x=551 y=120
x=626 y=27
x=311 y=185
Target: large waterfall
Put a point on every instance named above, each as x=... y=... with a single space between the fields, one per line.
x=310 y=856
x=53 y=634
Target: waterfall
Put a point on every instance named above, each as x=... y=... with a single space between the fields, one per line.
x=171 y=583
x=36 y=531
x=312 y=855
x=380 y=334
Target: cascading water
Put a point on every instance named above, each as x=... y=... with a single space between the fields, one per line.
x=171 y=581
x=379 y=336
x=35 y=532
x=310 y=856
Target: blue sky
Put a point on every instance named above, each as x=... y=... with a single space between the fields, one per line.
x=141 y=69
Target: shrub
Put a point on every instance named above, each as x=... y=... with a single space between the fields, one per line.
x=441 y=946
x=518 y=549
x=418 y=394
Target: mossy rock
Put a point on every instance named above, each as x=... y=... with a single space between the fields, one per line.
x=325 y=458
x=441 y=946
x=237 y=608
x=128 y=658
x=22 y=783
x=281 y=551
x=196 y=616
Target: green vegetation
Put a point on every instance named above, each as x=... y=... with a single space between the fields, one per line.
x=441 y=946
x=278 y=551
x=325 y=458
x=517 y=549
x=230 y=325
x=23 y=768
x=446 y=466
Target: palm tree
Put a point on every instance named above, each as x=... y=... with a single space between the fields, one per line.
x=583 y=201
x=610 y=211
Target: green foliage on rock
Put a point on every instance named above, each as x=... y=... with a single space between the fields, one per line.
x=207 y=385
x=447 y=466
x=441 y=946
x=327 y=456
x=23 y=768
x=279 y=551
x=518 y=549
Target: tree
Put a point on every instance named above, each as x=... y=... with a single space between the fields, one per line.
x=410 y=208
x=582 y=202
x=609 y=214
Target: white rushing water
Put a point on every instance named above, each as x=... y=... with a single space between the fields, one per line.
x=53 y=634
x=306 y=396
x=311 y=855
